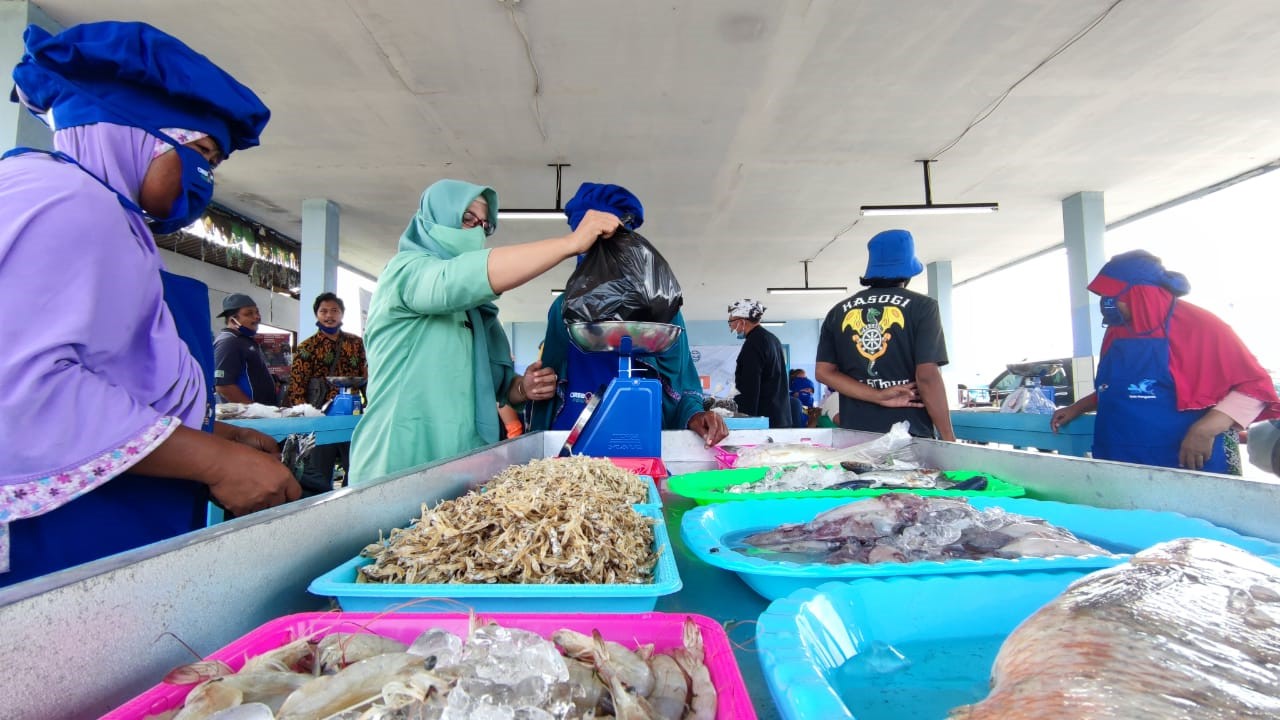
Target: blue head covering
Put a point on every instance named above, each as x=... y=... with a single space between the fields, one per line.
x=1138 y=267
x=130 y=73
x=892 y=254
x=607 y=198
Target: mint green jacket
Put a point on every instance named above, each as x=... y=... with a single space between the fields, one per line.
x=422 y=404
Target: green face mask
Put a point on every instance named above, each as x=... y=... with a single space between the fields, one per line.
x=455 y=241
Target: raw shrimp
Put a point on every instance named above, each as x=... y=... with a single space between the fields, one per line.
x=627 y=704
x=248 y=711
x=297 y=656
x=339 y=650
x=628 y=666
x=353 y=686
x=670 y=693
x=267 y=687
x=702 y=700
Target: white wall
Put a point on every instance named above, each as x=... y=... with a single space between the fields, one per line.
x=277 y=310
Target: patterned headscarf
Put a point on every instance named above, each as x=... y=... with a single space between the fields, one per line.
x=180 y=135
x=747 y=308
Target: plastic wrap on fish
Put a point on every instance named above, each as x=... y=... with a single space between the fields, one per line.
x=853 y=476
x=891 y=450
x=1187 y=629
x=905 y=528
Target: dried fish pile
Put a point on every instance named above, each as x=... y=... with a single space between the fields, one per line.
x=495 y=671
x=579 y=475
x=549 y=522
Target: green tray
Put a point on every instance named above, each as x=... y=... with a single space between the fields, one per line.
x=707 y=487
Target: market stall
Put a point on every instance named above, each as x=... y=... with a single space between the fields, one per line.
x=213 y=586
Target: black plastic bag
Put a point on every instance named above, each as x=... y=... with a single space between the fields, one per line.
x=622 y=278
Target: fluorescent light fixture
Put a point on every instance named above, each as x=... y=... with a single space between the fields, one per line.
x=930 y=207
x=806 y=290
x=934 y=209
x=774 y=323
x=556 y=292
x=555 y=213
x=531 y=215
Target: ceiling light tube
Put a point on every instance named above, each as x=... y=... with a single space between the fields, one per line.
x=774 y=323
x=806 y=290
x=556 y=292
x=934 y=209
x=531 y=215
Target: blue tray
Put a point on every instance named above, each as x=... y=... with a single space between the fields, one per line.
x=1119 y=531
x=341 y=583
x=948 y=627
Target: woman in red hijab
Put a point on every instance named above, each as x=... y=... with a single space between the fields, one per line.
x=1172 y=377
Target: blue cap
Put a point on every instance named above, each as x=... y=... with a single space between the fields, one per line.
x=130 y=73
x=606 y=198
x=892 y=254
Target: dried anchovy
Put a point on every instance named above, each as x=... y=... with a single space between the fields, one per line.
x=548 y=522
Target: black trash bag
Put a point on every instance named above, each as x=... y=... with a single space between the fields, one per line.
x=622 y=278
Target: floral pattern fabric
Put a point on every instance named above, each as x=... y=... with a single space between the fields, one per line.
x=39 y=496
x=313 y=358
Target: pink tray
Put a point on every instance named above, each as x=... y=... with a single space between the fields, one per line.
x=653 y=467
x=664 y=630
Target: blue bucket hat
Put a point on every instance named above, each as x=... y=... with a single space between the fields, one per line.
x=606 y=198
x=892 y=254
x=130 y=73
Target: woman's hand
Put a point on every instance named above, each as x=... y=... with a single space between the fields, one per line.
x=594 y=225
x=246 y=479
x=1197 y=444
x=899 y=396
x=247 y=436
x=1062 y=416
x=710 y=426
x=537 y=384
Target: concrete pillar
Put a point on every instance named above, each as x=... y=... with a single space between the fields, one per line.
x=18 y=128
x=1084 y=224
x=939 y=276
x=319 y=261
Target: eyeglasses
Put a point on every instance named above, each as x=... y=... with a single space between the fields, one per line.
x=470 y=220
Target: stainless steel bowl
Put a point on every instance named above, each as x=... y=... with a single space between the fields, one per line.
x=648 y=338
x=346 y=381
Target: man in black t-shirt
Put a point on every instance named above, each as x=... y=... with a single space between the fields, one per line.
x=240 y=371
x=882 y=348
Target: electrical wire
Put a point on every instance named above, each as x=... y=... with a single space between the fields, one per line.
x=537 y=77
x=835 y=237
x=995 y=104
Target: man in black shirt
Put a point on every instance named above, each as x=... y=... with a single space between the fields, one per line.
x=240 y=372
x=761 y=377
x=882 y=348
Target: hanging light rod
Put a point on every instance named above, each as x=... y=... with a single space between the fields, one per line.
x=556 y=213
x=930 y=207
x=806 y=290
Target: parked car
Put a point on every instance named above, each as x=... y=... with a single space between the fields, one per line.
x=1055 y=373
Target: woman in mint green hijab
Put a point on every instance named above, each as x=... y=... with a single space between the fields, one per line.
x=439 y=361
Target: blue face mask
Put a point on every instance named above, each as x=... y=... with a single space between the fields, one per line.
x=1111 y=315
x=329 y=330
x=195 y=195
x=738 y=334
x=246 y=331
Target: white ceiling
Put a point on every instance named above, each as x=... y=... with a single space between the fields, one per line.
x=751 y=129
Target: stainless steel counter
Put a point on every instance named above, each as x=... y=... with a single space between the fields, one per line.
x=77 y=643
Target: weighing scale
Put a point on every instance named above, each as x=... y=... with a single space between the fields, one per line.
x=346 y=402
x=1033 y=375
x=626 y=420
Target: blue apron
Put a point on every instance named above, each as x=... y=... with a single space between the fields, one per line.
x=586 y=373
x=129 y=510
x=1138 y=418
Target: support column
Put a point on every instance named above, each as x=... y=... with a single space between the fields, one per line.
x=1084 y=226
x=939 y=276
x=319 y=262
x=18 y=128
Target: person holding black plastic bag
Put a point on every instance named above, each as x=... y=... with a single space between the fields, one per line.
x=584 y=373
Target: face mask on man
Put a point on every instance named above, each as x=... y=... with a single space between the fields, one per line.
x=1111 y=315
x=736 y=331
